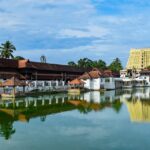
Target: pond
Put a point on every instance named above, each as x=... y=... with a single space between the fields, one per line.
x=117 y=119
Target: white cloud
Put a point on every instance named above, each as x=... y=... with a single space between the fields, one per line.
x=25 y=21
x=89 y=31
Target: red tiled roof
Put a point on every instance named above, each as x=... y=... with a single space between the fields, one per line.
x=84 y=76
x=76 y=82
x=96 y=73
x=13 y=82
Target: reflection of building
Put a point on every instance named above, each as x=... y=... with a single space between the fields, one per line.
x=138 y=104
x=139 y=58
x=139 y=110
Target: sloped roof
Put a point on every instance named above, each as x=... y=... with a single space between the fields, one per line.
x=8 y=63
x=84 y=76
x=96 y=73
x=25 y=64
x=107 y=73
x=56 y=67
x=76 y=82
x=13 y=82
x=18 y=64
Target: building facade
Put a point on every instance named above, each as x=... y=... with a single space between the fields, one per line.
x=38 y=74
x=139 y=59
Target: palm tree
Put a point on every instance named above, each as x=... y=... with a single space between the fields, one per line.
x=72 y=63
x=7 y=49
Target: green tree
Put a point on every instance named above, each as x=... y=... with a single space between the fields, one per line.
x=85 y=63
x=6 y=126
x=72 y=63
x=7 y=49
x=116 y=65
x=99 y=64
x=19 y=58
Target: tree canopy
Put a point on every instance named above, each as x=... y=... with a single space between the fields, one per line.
x=19 y=58
x=7 y=49
x=115 y=66
x=88 y=63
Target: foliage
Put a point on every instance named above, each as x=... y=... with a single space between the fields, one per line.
x=116 y=65
x=19 y=58
x=72 y=63
x=88 y=63
x=99 y=64
x=7 y=49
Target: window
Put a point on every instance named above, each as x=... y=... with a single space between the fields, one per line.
x=107 y=80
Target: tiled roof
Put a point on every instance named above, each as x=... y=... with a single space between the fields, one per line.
x=96 y=73
x=56 y=67
x=8 y=63
x=76 y=82
x=13 y=82
x=84 y=76
x=18 y=64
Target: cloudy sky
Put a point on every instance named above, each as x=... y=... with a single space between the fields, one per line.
x=65 y=30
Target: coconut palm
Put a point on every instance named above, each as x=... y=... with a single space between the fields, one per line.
x=7 y=49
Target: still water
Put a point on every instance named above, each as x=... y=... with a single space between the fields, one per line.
x=91 y=121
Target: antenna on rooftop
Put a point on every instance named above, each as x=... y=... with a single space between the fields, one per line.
x=43 y=59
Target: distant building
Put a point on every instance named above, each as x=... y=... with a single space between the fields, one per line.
x=38 y=74
x=97 y=79
x=139 y=58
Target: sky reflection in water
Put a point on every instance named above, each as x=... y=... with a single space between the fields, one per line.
x=93 y=120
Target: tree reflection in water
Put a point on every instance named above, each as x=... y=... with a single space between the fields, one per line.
x=6 y=126
x=33 y=107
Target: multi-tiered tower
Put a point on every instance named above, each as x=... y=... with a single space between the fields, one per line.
x=139 y=58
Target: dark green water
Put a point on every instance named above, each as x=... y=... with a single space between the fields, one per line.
x=112 y=120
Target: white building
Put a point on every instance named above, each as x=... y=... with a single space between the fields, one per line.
x=93 y=80
x=96 y=80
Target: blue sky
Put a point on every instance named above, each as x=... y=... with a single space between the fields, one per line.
x=65 y=30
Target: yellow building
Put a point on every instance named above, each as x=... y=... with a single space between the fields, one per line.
x=139 y=110
x=139 y=58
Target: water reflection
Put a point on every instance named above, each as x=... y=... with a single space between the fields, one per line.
x=25 y=109
x=138 y=104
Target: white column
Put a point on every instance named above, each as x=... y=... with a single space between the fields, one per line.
x=43 y=83
x=35 y=82
x=35 y=103
x=43 y=102
x=56 y=100
x=50 y=102
x=57 y=83
x=26 y=103
x=6 y=105
x=63 y=100
x=49 y=83
x=17 y=104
